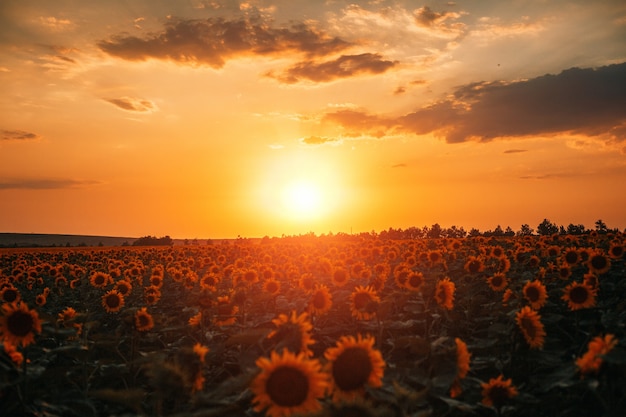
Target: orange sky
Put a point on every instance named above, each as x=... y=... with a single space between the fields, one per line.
x=217 y=119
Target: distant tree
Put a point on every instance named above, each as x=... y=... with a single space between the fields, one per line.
x=575 y=229
x=547 y=228
x=601 y=226
x=525 y=230
x=153 y=241
x=509 y=231
x=435 y=231
x=473 y=232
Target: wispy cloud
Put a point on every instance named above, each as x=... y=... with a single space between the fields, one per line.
x=342 y=67
x=318 y=140
x=515 y=150
x=132 y=104
x=45 y=184
x=213 y=41
x=18 y=135
x=587 y=101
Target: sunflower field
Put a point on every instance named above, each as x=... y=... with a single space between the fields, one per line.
x=317 y=326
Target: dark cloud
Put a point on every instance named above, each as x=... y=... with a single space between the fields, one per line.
x=342 y=67
x=358 y=123
x=579 y=101
x=426 y=17
x=44 y=184
x=317 y=140
x=213 y=41
x=515 y=150
x=133 y=104
x=17 y=135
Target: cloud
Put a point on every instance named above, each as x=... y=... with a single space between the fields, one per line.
x=426 y=17
x=18 y=135
x=400 y=165
x=515 y=150
x=342 y=67
x=213 y=41
x=317 y=140
x=45 y=184
x=590 y=102
x=137 y=105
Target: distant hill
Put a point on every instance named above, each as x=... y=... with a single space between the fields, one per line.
x=12 y=240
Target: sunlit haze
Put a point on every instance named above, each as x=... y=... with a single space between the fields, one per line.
x=218 y=119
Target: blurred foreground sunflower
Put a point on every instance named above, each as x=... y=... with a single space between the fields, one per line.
x=288 y=384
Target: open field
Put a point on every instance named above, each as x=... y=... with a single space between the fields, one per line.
x=323 y=326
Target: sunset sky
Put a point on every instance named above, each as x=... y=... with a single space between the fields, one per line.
x=218 y=119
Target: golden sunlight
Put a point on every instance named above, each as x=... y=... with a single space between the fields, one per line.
x=302 y=199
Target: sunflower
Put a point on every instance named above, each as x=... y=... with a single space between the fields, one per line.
x=364 y=303
x=340 y=276
x=565 y=271
x=195 y=320
x=321 y=300
x=151 y=295
x=401 y=274
x=226 y=312
x=292 y=333
x=508 y=293
x=616 y=250
x=200 y=350
x=598 y=262
x=529 y=322
x=571 y=256
x=535 y=293
x=112 y=301
x=288 y=384
x=307 y=282
x=498 y=281
x=41 y=299
x=474 y=265
x=15 y=355
x=100 y=279
x=444 y=293
x=353 y=364
x=209 y=281
x=591 y=361
x=462 y=367
x=497 y=391
x=143 y=320
x=18 y=324
x=414 y=281
x=9 y=294
x=579 y=295
x=124 y=287
x=156 y=280
x=271 y=286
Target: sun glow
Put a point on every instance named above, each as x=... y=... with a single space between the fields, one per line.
x=302 y=199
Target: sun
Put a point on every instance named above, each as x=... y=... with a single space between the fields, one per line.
x=302 y=199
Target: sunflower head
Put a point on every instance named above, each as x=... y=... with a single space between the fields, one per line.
x=529 y=323
x=497 y=392
x=353 y=364
x=535 y=293
x=292 y=333
x=143 y=320
x=579 y=296
x=288 y=384
x=18 y=324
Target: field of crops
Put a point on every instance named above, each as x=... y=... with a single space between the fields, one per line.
x=321 y=326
